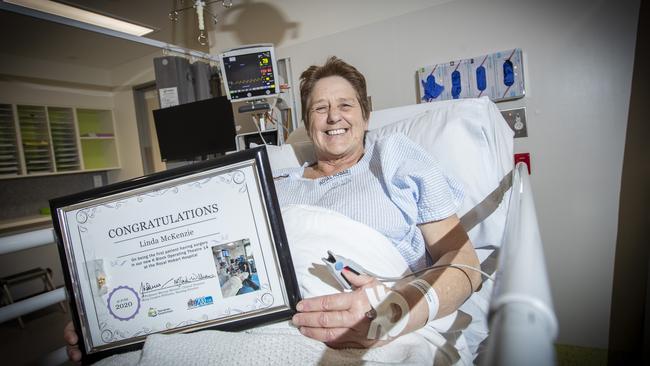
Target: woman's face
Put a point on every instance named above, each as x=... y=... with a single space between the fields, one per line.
x=336 y=125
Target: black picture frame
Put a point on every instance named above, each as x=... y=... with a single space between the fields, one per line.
x=267 y=188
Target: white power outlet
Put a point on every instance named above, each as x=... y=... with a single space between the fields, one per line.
x=516 y=119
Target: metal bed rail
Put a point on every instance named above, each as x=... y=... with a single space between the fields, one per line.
x=523 y=325
x=28 y=240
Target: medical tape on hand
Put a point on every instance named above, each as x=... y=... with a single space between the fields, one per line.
x=429 y=294
x=384 y=325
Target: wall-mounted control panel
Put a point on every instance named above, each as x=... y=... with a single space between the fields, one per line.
x=516 y=119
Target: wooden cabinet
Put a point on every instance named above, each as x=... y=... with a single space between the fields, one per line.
x=41 y=140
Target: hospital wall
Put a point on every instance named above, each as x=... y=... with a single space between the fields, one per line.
x=39 y=70
x=578 y=69
x=629 y=342
x=123 y=79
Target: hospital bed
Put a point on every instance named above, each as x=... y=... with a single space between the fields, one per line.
x=472 y=141
x=474 y=144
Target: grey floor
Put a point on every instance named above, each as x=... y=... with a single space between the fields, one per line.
x=42 y=334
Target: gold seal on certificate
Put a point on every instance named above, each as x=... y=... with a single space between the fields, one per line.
x=202 y=246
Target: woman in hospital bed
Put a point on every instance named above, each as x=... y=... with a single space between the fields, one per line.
x=392 y=186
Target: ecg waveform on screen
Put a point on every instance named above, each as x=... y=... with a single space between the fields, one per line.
x=248 y=81
x=250 y=75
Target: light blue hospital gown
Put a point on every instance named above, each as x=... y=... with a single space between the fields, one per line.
x=393 y=188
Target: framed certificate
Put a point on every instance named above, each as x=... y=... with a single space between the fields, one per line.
x=201 y=246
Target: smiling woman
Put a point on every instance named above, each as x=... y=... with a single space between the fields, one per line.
x=336 y=111
x=336 y=127
x=394 y=187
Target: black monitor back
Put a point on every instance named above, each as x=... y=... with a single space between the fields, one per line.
x=195 y=129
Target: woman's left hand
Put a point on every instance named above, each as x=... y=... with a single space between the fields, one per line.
x=339 y=320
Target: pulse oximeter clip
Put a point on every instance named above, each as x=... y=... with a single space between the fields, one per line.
x=336 y=264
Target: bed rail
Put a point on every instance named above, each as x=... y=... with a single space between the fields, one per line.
x=26 y=240
x=523 y=326
x=22 y=241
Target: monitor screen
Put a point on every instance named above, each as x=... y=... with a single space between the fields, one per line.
x=195 y=129
x=250 y=73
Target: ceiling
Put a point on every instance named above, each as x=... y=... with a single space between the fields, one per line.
x=26 y=36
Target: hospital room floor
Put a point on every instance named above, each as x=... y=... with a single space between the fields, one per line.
x=42 y=334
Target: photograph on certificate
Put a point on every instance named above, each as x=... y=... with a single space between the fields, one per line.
x=180 y=254
x=236 y=268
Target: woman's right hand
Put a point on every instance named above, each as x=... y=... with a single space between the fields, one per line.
x=72 y=340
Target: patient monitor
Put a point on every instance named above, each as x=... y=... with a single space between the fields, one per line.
x=250 y=75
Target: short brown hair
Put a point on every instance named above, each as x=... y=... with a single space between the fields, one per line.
x=333 y=67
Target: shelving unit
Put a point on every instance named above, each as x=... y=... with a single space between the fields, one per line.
x=43 y=140
x=64 y=139
x=97 y=134
x=9 y=154
x=35 y=138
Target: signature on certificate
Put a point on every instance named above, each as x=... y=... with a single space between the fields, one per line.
x=178 y=281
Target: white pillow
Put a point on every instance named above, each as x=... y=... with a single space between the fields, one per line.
x=474 y=144
x=281 y=157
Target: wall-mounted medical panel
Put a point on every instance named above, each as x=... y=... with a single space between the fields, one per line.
x=498 y=75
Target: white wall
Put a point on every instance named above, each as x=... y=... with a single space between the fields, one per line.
x=290 y=22
x=24 y=92
x=50 y=70
x=578 y=60
x=123 y=79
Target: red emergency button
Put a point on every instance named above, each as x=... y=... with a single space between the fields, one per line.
x=523 y=158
